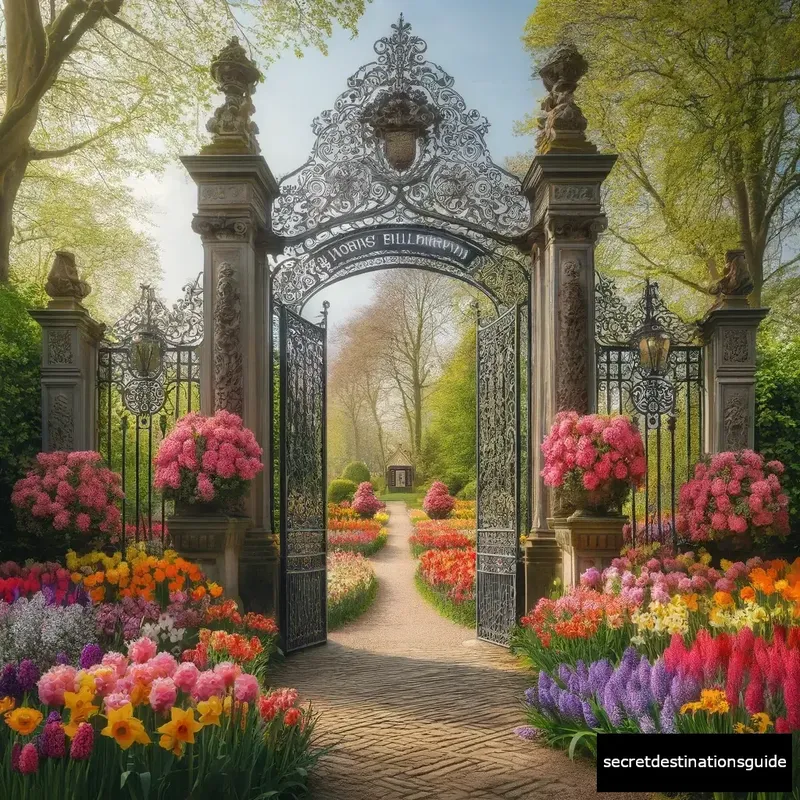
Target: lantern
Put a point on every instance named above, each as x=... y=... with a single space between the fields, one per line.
x=146 y=354
x=651 y=340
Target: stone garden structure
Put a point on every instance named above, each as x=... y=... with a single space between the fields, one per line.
x=399 y=176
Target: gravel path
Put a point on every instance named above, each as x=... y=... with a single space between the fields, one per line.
x=417 y=708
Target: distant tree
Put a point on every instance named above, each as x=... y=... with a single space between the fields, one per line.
x=700 y=100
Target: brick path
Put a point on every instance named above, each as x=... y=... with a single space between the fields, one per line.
x=417 y=708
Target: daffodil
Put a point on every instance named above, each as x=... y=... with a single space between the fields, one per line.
x=124 y=728
x=24 y=720
x=179 y=730
x=6 y=704
x=210 y=711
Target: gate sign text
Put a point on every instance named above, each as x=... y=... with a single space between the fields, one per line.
x=398 y=240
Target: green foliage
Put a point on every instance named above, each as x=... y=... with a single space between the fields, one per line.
x=357 y=472
x=20 y=401
x=352 y=605
x=778 y=414
x=340 y=490
x=378 y=483
x=411 y=499
x=469 y=491
x=455 y=481
x=460 y=613
x=450 y=438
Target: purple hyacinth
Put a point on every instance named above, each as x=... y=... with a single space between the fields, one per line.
x=569 y=707
x=659 y=682
x=667 y=717
x=28 y=675
x=9 y=682
x=53 y=716
x=643 y=671
x=90 y=655
x=574 y=683
x=588 y=715
x=528 y=732
x=684 y=690
x=531 y=696
x=646 y=725
x=16 y=749
x=62 y=658
x=599 y=674
x=52 y=742
x=636 y=699
x=564 y=673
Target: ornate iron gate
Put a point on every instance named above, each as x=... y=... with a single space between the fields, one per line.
x=498 y=469
x=303 y=510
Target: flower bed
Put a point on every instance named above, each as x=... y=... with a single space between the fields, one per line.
x=158 y=726
x=463 y=509
x=446 y=578
x=352 y=586
x=365 y=536
x=445 y=539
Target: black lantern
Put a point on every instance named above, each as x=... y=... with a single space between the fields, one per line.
x=651 y=340
x=146 y=354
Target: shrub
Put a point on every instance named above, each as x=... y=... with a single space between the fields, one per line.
x=455 y=481
x=68 y=500
x=341 y=490
x=438 y=503
x=364 y=501
x=208 y=460
x=20 y=406
x=469 y=491
x=734 y=495
x=356 y=471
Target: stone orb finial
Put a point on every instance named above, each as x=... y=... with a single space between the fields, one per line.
x=63 y=280
x=562 y=125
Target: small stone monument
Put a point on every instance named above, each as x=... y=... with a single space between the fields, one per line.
x=64 y=284
x=736 y=282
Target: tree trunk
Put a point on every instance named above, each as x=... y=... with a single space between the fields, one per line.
x=10 y=180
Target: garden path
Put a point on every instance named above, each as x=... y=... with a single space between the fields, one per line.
x=417 y=708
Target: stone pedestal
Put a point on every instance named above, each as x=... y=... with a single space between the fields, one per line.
x=542 y=562
x=587 y=542
x=564 y=190
x=730 y=384
x=70 y=339
x=235 y=194
x=215 y=541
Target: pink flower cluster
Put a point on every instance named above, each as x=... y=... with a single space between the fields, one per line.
x=594 y=448
x=207 y=459
x=69 y=492
x=438 y=503
x=365 y=504
x=146 y=675
x=733 y=494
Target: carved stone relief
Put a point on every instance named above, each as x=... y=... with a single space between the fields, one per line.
x=572 y=386
x=221 y=193
x=576 y=228
x=575 y=193
x=59 y=347
x=735 y=346
x=736 y=422
x=61 y=422
x=228 y=378
x=221 y=228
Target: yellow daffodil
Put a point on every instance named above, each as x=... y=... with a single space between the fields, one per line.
x=210 y=710
x=179 y=730
x=24 y=720
x=761 y=722
x=6 y=704
x=124 y=728
x=80 y=705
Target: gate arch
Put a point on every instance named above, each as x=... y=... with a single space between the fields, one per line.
x=400 y=176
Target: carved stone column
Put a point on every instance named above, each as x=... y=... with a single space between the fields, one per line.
x=729 y=358
x=563 y=185
x=70 y=339
x=235 y=194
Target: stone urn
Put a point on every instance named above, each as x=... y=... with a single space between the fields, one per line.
x=214 y=540
x=587 y=541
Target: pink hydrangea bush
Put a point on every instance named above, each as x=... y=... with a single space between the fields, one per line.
x=208 y=460
x=68 y=500
x=438 y=503
x=593 y=459
x=365 y=504
x=734 y=495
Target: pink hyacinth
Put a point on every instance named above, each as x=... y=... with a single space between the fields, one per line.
x=28 y=759
x=142 y=650
x=82 y=742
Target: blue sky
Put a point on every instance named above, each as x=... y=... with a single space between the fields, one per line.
x=476 y=41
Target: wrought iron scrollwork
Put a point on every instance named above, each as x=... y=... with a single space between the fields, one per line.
x=302 y=481
x=498 y=492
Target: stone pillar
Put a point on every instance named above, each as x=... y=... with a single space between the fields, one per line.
x=729 y=358
x=235 y=194
x=70 y=339
x=563 y=185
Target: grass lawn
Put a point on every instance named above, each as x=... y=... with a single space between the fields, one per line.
x=411 y=499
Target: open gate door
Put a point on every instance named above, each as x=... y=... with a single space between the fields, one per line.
x=303 y=509
x=499 y=502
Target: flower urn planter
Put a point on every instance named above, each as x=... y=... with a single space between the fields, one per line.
x=215 y=542
x=587 y=541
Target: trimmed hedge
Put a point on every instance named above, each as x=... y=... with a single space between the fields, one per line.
x=340 y=490
x=356 y=471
